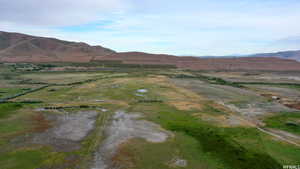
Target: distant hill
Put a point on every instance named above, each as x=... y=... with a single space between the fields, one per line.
x=15 y=47
x=294 y=55
x=197 y=63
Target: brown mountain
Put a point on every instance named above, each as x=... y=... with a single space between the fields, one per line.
x=196 y=63
x=15 y=47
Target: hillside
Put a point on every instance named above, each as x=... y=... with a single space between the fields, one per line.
x=15 y=47
x=196 y=63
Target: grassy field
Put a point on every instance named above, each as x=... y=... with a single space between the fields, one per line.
x=221 y=147
x=285 y=121
x=200 y=130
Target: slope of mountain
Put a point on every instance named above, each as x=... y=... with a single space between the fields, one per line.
x=15 y=47
x=294 y=55
x=196 y=63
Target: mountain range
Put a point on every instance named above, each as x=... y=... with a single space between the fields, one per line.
x=16 y=47
x=294 y=55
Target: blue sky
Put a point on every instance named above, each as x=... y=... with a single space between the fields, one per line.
x=191 y=27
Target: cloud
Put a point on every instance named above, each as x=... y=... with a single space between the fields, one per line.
x=58 y=12
x=197 y=27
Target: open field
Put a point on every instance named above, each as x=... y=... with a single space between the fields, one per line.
x=147 y=119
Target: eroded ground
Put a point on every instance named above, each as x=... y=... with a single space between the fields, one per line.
x=147 y=119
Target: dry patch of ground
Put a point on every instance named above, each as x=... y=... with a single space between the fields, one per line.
x=178 y=162
x=124 y=127
x=178 y=97
x=123 y=158
x=185 y=105
x=67 y=131
x=230 y=120
x=40 y=123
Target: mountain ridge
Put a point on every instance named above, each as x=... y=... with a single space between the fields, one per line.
x=16 y=47
x=291 y=54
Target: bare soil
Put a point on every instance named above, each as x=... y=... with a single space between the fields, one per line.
x=123 y=127
x=67 y=131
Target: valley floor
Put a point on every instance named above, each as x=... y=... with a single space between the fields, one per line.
x=148 y=119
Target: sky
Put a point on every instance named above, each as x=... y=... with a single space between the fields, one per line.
x=190 y=27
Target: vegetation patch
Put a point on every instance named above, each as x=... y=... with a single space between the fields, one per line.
x=8 y=109
x=12 y=127
x=6 y=92
x=215 y=142
x=150 y=101
x=212 y=141
x=211 y=80
x=212 y=110
x=285 y=121
x=25 y=159
x=292 y=85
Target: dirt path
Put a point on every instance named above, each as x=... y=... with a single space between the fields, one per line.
x=281 y=137
x=254 y=122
